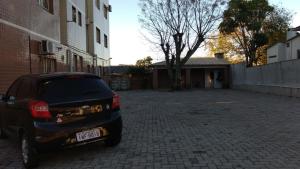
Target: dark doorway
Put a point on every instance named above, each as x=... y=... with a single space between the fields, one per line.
x=197 y=78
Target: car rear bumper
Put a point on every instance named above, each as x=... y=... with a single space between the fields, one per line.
x=55 y=136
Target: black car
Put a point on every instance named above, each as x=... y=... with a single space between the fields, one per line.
x=59 y=110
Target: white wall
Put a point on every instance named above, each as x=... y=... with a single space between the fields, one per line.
x=284 y=73
x=281 y=52
x=284 y=51
x=278 y=50
x=97 y=19
x=292 y=50
x=280 y=78
x=76 y=35
x=271 y=52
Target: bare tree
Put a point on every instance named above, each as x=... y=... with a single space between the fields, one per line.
x=179 y=27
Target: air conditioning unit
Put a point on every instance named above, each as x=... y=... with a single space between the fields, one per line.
x=47 y=47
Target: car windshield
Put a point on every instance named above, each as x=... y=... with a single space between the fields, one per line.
x=73 y=87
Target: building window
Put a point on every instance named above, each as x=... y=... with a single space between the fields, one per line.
x=48 y=65
x=98 y=4
x=73 y=14
x=298 y=53
x=105 y=11
x=46 y=4
x=105 y=41
x=79 y=19
x=98 y=35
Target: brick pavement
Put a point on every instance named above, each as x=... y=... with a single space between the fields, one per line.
x=207 y=129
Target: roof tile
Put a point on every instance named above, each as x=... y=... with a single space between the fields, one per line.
x=200 y=61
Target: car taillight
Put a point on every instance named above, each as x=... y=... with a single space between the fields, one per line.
x=116 y=101
x=39 y=110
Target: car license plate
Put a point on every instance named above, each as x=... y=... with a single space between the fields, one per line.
x=87 y=135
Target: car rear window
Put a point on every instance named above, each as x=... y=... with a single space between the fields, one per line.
x=73 y=88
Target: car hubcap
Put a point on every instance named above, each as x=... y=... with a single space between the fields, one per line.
x=25 y=150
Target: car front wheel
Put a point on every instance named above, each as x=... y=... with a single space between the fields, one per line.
x=2 y=134
x=29 y=152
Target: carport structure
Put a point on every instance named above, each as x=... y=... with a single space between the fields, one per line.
x=201 y=72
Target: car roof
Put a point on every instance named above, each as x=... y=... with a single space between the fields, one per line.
x=57 y=75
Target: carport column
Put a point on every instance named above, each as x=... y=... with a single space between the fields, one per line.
x=155 y=79
x=188 y=78
x=226 y=81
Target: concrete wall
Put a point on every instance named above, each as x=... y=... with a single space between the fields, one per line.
x=280 y=78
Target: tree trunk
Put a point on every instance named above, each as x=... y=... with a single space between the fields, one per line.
x=177 y=81
x=171 y=76
x=251 y=59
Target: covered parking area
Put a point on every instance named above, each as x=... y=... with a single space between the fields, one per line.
x=196 y=73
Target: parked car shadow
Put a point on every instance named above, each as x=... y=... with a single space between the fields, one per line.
x=77 y=156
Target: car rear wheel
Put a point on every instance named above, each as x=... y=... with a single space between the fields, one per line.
x=115 y=131
x=2 y=134
x=113 y=140
x=29 y=152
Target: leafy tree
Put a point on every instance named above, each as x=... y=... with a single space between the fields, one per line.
x=245 y=19
x=137 y=70
x=146 y=62
x=277 y=24
x=178 y=28
x=141 y=66
x=261 y=55
x=225 y=44
x=274 y=28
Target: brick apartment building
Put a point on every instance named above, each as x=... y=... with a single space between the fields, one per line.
x=42 y=36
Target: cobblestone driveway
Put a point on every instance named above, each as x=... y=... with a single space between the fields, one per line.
x=193 y=129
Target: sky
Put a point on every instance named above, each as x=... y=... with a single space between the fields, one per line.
x=127 y=42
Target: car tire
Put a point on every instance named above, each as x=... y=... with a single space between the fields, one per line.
x=29 y=152
x=113 y=140
x=2 y=134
